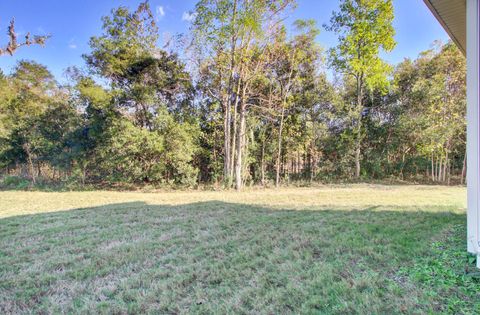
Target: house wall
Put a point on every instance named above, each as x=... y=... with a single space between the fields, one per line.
x=473 y=217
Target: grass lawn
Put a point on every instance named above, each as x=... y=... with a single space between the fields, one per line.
x=326 y=250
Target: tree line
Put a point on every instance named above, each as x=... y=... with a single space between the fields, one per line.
x=242 y=99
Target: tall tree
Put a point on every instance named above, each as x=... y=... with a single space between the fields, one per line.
x=152 y=97
x=34 y=89
x=365 y=29
x=441 y=92
x=219 y=33
x=143 y=76
x=233 y=34
x=298 y=54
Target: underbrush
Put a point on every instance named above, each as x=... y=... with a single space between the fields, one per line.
x=19 y=183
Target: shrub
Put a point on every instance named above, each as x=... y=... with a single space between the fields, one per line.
x=14 y=182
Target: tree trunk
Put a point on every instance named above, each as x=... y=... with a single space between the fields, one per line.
x=359 y=125
x=84 y=175
x=279 y=151
x=234 y=135
x=26 y=147
x=297 y=162
x=262 y=164
x=357 y=160
x=464 y=169
x=314 y=164
x=449 y=174
x=240 y=144
x=445 y=167
x=403 y=164
x=433 y=169
x=227 y=138
x=39 y=169
x=439 y=168
x=311 y=154
x=311 y=163
x=228 y=108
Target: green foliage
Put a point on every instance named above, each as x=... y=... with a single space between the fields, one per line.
x=129 y=154
x=14 y=183
x=365 y=27
x=254 y=105
x=181 y=145
x=127 y=37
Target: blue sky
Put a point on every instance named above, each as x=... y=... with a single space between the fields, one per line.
x=71 y=23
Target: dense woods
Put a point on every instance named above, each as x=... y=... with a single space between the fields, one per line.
x=243 y=99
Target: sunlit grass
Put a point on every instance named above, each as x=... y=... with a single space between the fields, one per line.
x=349 y=249
x=327 y=197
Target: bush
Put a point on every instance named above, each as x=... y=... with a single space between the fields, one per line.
x=130 y=154
x=14 y=182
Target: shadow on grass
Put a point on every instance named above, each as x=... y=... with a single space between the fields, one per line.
x=216 y=257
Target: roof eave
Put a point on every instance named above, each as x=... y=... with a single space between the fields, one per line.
x=445 y=26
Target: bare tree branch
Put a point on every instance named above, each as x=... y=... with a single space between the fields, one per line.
x=13 y=43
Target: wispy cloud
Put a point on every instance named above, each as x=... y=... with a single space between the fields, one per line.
x=72 y=44
x=160 y=12
x=189 y=16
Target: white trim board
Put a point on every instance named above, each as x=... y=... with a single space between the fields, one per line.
x=473 y=222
